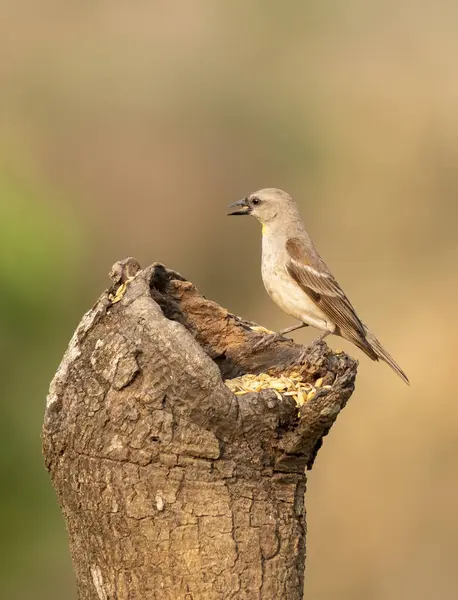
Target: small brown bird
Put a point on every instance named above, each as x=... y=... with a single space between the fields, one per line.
x=297 y=278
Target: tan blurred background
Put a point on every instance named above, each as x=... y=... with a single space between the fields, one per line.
x=127 y=127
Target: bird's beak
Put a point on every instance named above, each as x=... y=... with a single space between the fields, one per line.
x=239 y=208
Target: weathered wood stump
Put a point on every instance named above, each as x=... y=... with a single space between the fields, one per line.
x=171 y=486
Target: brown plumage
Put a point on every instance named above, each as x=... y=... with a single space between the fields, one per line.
x=311 y=273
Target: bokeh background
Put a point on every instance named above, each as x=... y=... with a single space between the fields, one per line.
x=127 y=127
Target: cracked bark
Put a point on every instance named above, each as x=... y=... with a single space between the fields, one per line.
x=171 y=486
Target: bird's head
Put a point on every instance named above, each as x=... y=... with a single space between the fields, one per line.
x=264 y=204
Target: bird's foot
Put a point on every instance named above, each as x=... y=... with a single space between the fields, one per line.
x=268 y=339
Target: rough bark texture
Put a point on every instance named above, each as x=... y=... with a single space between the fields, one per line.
x=172 y=487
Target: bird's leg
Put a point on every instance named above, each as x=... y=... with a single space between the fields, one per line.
x=270 y=336
x=321 y=337
x=292 y=328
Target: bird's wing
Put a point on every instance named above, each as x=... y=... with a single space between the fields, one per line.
x=310 y=272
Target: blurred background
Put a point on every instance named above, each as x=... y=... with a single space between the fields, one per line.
x=127 y=128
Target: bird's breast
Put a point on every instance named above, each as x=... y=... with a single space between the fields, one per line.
x=284 y=291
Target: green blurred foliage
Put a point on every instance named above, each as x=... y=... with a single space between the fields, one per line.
x=40 y=249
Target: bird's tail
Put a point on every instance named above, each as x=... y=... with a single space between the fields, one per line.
x=380 y=353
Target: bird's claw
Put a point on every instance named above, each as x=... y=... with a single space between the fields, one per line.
x=268 y=339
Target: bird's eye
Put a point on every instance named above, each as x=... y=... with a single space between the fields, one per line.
x=255 y=201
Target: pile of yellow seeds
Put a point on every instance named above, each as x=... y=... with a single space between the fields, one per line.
x=285 y=385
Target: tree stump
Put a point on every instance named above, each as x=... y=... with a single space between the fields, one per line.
x=172 y=487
